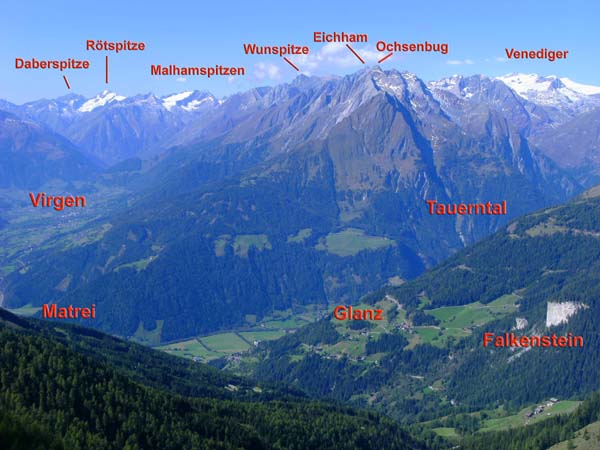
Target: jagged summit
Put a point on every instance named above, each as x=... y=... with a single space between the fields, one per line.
x=102 y=99
x=188 y=100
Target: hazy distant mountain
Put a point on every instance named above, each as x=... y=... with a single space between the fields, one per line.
x=575 y=146
x=559 y=116
x=31 y=155
x=57 y=114
x=112 y=128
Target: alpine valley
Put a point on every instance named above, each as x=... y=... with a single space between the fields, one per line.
x=427 y=361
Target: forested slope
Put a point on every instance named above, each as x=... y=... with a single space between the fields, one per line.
x=56 y=390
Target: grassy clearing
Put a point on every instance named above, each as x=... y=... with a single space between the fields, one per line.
x=430 y=335
x=262 y=335
x=520 y=419
x=271 y=327
x=138 y=265
x=436 y=336
x=243 y=243
x=148 y=337
x=250 y=319
x=423 y=301
x=457 y=321
x=87 y=236
x=507 y=300
x=207 y=348
x=289 y=323
x=302 y=235
x=474 y=314
x=351 y=241
x=225 y=343
x=190 y=349
x=353 y=349
x=221 y=243
x=446 y=432
x=566 y=406
x=546 y=229
x=455 y=332
x=396 y=281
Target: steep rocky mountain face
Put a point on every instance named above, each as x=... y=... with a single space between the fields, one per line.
x=311 y=192
x=470 y=99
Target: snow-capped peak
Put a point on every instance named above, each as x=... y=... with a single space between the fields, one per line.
x=547 y=90
x=524 y=83
x=102 y=99
x=585 y=89
x=188 y=100
x=170 y=101
x=195 y=104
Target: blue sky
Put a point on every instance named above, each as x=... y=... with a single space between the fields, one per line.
x=201 y=33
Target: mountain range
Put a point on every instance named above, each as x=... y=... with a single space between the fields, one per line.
x=112 y=127
x=32 y=155
x=311 y=192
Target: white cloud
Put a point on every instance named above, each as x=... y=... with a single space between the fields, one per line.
x=497 y=59
x=460 y=62
x=267 y=71
x=332 y=48
x=330 y=56
x=335 y=54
